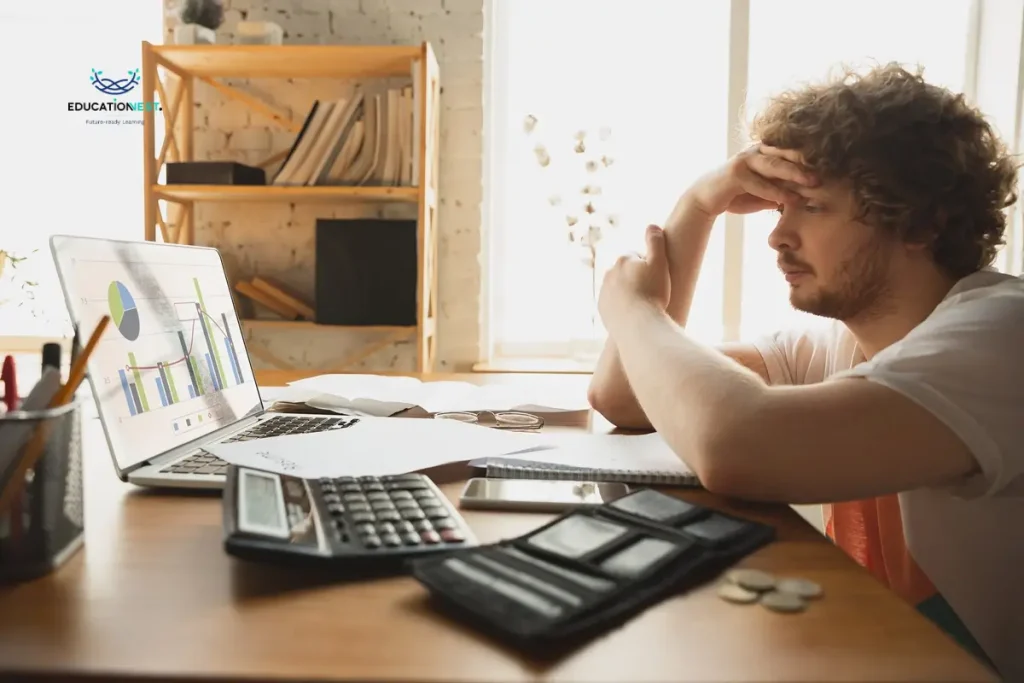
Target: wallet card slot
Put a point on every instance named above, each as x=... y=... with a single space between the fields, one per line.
x=578 y=573
x=718 y=530
x=491 y=583
x=579 y=536
x=531 y=577
x=645 y=555
x=656 y=508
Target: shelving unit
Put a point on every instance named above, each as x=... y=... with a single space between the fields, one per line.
x=181 y=66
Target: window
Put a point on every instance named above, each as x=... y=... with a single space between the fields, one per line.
x=661 y=76
x=62 y=174
x=584 y=65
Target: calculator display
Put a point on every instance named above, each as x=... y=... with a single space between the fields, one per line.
x=261 y=504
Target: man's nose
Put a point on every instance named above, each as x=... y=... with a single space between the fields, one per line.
x=784 y=235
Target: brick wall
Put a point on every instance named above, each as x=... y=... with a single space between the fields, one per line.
x=277 y=240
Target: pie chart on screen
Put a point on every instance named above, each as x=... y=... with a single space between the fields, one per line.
x=123 y=311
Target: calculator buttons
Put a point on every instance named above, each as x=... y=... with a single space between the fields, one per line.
x=452 y=536
x=389 y=512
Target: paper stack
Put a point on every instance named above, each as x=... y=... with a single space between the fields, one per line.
x=382 y=395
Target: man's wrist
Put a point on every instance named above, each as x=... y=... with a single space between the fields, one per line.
x=636 y=314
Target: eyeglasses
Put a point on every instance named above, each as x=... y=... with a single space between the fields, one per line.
x=499 y=419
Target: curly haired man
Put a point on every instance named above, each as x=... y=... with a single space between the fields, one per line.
x=903 y=414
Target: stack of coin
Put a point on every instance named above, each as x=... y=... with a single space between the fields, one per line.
x=746 y=586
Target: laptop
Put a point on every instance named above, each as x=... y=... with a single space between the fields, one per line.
x=171 y=375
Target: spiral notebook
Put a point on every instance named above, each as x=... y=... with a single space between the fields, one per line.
x=640 y=459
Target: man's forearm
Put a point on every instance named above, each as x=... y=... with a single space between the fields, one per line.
x=688 y=391
x=687 y=231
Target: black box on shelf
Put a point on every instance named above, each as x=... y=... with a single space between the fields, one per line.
x=366 y=270
x=214 y=173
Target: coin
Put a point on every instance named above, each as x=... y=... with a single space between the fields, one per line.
x=735 y=593
x=783 y=602
x=752 y=579
x=803 y=588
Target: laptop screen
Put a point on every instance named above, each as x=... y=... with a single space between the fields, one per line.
x=172 y=364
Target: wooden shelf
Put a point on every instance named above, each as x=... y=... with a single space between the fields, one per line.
x=171 y=75
x=257 y=323
x=275 y=193
x=288 y=61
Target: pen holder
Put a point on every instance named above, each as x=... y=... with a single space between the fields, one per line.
x=44 y=524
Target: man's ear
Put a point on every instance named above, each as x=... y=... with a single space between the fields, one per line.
x=923 y=238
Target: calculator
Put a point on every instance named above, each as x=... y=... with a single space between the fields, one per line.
x=345 y=522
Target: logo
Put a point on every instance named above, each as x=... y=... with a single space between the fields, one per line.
x=110 y=86
x=114 y=109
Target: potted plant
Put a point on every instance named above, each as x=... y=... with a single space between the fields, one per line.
x=199 y=21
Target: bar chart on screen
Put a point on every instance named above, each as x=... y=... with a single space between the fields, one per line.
x=173 y=360
x=204 y=359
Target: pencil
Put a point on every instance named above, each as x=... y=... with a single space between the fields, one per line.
x=35 y=448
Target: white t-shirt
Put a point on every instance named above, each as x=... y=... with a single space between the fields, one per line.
x=965 y=364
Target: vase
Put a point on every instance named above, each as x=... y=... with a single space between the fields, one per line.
x=194 y=34
x=587 y=342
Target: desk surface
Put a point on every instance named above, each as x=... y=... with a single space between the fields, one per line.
x=153 y=596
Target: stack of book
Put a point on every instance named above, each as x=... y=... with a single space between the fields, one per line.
x=371 y=138
x=276 y=298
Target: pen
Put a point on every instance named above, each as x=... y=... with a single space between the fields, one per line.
x=51 y=355
x=10 y=379
x=35 y=448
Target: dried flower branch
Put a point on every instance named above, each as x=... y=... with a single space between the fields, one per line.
x=586 y=198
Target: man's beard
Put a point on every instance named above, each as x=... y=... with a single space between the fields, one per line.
x=860 y=285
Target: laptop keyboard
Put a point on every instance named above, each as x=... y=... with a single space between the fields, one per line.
x=202 y=462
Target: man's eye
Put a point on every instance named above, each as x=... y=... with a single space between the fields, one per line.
x=809 y=208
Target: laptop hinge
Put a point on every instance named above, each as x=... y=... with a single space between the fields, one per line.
x=188 y=447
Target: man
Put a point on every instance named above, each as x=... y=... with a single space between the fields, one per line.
x=905 y=416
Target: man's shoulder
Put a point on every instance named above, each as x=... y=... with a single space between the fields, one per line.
x=986 y=298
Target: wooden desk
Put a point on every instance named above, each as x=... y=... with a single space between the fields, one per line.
x=153 y=596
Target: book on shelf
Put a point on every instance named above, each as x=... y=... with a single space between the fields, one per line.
x=369 y=138
x=284 y=296
x=274 y=297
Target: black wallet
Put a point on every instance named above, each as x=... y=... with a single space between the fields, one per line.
x=589 y=570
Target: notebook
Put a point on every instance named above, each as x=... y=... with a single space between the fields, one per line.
x=629 y=459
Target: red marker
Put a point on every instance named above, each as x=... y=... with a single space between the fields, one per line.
x=10 y=380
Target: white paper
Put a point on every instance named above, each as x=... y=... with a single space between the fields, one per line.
x=385 y=395
x=641 y=452
x=376 y=446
